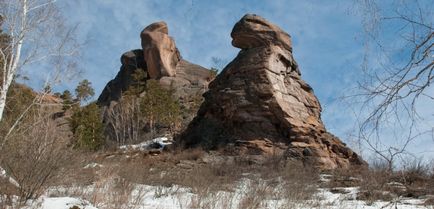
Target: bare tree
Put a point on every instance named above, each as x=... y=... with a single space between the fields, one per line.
x=123 y=121
x=36 y=32
x=35 y=161
x=398 y=67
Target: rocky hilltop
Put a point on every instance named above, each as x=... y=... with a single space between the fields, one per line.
x=158 y=59
x=259 y=104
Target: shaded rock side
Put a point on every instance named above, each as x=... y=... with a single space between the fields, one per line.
x=260 y=105
x=132 y=61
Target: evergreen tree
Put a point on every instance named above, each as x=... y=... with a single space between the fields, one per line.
x=159 y=107
x=84 y=90
x=87 y=127
x=57 y=94
x=139 y=83
x=67 y=100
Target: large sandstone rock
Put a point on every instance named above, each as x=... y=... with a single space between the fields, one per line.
x=159 y=51
x=260 y=105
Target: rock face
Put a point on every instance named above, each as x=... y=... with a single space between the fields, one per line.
x=159 y=51
x=260 y=105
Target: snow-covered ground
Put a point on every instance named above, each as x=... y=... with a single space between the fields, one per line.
x=106 y=194
x=155 y=197
x=60 y=203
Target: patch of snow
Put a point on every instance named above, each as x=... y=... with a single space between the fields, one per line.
x=337 y=201
x=325 y=177
x=160 y=142
x=11 y=180
x=93 y=165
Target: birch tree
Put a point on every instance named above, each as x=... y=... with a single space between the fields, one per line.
x=37 y=34
x=398 y=75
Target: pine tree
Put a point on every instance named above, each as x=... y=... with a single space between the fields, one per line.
x=159 y=107
x=67 y=100
x=139 y=83
x=87 y=127
x=84 y=90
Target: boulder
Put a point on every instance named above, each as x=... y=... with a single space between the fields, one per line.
x=260 y=104
x=159 y=50
x=255 y=31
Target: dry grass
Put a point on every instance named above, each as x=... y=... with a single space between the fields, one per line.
x=219 y=181
x=415 y=179
x=213 y=178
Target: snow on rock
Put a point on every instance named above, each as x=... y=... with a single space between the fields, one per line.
x=157 y=143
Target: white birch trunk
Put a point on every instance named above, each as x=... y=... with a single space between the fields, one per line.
x=12 y=66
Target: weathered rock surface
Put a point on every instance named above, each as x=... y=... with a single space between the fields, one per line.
x=259 y=104
x=159 y=51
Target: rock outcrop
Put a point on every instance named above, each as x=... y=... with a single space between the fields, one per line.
x=260 y=105
x=158 y=59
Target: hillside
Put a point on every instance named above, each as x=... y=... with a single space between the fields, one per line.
x=168 y=133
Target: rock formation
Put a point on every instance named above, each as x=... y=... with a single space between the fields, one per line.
x=158 y=59
x=260 y=105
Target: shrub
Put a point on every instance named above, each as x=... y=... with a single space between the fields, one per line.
x=35 y=155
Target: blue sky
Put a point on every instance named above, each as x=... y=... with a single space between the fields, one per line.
x=327 y=40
